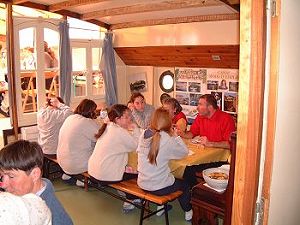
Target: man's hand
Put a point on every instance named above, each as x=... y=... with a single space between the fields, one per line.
x=203 y=141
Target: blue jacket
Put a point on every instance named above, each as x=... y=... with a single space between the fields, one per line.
x=59 y=215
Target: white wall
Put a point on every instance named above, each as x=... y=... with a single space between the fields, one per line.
x=204 y=33
x=285 y=184
x=148 y=70
x=200 y=33
x=121 y=80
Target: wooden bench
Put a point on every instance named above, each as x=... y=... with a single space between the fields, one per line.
x=49 y=162
x=129 y=187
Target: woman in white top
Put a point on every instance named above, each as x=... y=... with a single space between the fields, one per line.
x=28 y=209
x=49 y=121
x=157 y=146
x=77 y=140
x=109 y=159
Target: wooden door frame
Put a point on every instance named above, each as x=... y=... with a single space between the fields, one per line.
x=250 y=109
x=272 y=106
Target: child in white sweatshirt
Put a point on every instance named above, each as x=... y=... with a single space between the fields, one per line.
x=157 y=146
x=110 y=156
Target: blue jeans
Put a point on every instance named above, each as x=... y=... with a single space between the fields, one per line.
x=184 y=199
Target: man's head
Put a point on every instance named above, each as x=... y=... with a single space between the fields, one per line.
x=55 y=101
x=21 y=164
x=207 y=105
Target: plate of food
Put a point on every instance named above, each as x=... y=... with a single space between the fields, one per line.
x=216 y=178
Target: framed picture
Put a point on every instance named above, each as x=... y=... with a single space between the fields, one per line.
x=138 y=82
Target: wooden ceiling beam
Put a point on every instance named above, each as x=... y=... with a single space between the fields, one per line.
x=78 y=16
x=5 y=1
x=186 y=19
x=232 y=4
x=69 y=13
x=99 y=23
x=17 y=2
x=63 y=13
x=72 y=3
x=149 y=7
x=34 y=5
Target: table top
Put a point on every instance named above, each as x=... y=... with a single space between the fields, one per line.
x=198 y=155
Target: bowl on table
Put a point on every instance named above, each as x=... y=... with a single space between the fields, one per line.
x=216 y=178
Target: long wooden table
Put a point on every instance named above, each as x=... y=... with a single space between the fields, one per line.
x=200 y=155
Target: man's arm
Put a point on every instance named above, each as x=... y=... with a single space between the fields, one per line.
x=187 y=134
x=220 y=144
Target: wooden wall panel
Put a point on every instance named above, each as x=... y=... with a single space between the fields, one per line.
x=250 y=110
x=181 y=56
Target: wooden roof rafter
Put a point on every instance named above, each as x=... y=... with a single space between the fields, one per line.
x=235 y=4
x=33 y=5
x=186 y=19
x=147 y=7
x=17 y=2
x=61 y=12
x=72 y=3
x=5 y=1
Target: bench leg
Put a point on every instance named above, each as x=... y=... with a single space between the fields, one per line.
x=46 y=168
x=86 y=183
x=166 y=213
x=144 y=203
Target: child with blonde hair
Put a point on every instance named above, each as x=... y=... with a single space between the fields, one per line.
x=157 y=146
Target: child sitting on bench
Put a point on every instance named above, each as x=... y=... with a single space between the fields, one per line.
x=157 y=146
x=110 y=156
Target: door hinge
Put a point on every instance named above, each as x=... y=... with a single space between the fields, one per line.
x=259 y=211
x=274 y=8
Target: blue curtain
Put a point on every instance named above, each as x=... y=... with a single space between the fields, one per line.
x=65 y=68
x=108 y=68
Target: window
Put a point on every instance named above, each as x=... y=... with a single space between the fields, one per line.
x=166 y=81
x=87 y=80
x=83 y=30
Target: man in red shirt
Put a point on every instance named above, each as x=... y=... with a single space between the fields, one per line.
x=212 y=126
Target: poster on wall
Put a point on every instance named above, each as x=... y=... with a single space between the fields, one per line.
x=191 y=83
x=138 y=82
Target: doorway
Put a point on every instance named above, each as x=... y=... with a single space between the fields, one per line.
x=37 y=65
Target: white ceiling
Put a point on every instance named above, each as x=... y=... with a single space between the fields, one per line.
x=116 y=12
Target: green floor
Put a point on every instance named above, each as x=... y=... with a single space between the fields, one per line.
x=97 y=208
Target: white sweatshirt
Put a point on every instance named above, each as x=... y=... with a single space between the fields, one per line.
x=76 y=143
x=49 y=122
x=155 y=177
x=110 y=156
